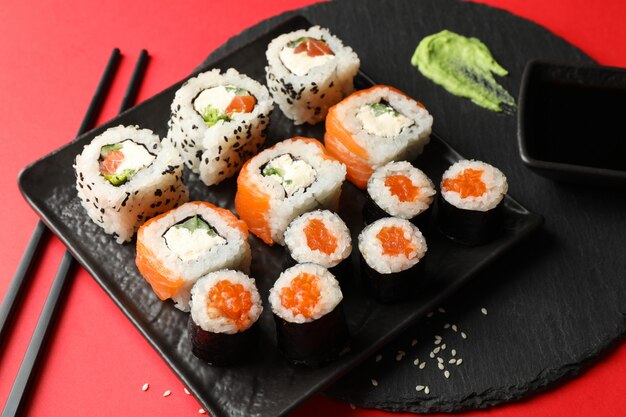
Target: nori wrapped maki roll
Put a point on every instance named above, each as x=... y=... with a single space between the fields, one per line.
x=225 y=306
x=391 y=250
x=399 y=189
x=470 y=207
x=310 y=323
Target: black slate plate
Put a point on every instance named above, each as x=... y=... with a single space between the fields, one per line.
x=266 y=384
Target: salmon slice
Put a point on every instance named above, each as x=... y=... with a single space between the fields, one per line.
x=394 y=242
x=232 y=300
x=468 y=183
x=241 y=104
x=313 y=47
x=358 y=170
x=302 y=295
x=111 y=162
x=318 y=237
x=402 y=187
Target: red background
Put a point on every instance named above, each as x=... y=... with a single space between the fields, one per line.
x=51 y=57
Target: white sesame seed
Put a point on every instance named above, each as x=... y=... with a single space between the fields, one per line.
x=453 y=352
x=416 y=362
x=437 y=349
x=419 y=388
x=452 y=360
x=441 y=310
x=422 y=365
x=413 y=342
x=437 y=341
x=432 y=355
x=454 y=327
x=167 y=393
x=398 y=358
x=426 y=390
x=201 y=411
x=352 y=406
x=446 y=326
x=443 y=347
x=401 y=352
x=374 y=382
x=145 y=387
x=440 y=366
x=439 y=359
x=459 y=361
x=186 y=391
x=437 y=337
x=429 y=315
x=379 y=358
x=446 y=374
x=484 y=311
x=463 y=335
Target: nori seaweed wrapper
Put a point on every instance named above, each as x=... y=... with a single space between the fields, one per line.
x=469 y=227
x=391 y=288
x=220 y=349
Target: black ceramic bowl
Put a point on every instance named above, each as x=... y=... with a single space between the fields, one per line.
x=571 y=122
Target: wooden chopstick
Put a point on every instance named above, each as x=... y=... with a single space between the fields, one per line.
x=30 y=254
x=23 y=380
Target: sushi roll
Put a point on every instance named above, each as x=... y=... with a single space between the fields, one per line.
x=373 y=127
x=178 y=247
x=290 y=178
x=470 y=205
x=398 y=189
x=308 y=71
x=310 y=323
x=320 y=237
x=218 y=122
x=225 y=307
x=126 y=175
x=391 y=251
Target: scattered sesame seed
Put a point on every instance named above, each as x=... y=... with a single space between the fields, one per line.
x=401 y=352
x=167 y=393
x=463 y=335
x=454 y=327
x=432 y=354
x=484 y=311
x=437 y=341
x=413 y=342
x=352 y=406
x=437 y=337
x=201 y=411
x=453 y=352
x=440 y=366
x=426 y=390
x=422 y=365
x=443 y=347
x=398 y=358
x=437 y=349
x=452 y=361
x=459 y=361
x=446 y=374
x=419 y=388
x=439 y=359
x=441 y=310
x=186 y=391
x=145 y=387
x=416 y=362
x=374 y=382
x=446 y=326
x=429 y=315
x=379 y=358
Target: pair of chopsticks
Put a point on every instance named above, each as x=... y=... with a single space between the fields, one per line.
x=24 y=378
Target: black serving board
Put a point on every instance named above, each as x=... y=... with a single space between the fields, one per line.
x=555 y=303
x=265 y=384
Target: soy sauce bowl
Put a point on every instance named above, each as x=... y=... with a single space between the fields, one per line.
x=571 y=122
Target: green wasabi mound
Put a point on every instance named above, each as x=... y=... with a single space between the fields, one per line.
x=464 y=67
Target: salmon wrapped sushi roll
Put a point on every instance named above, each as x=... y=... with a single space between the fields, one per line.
x=470 y=209
x=308 y=71
x=225 y=307
x=290 y=178
x=373 y=127
x=218 y=121
x=307 y=304
x=126 y=175
x=177 y=247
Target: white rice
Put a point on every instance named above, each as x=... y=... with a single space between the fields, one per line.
x=307 y=98
x=389 y=202
x=406 y=146
x=154 y=189
x=296 y=239
x=211 y=319
x=493 y=178
x=217 y=152
x=372 y=250
x=234 y=254
x=324 y=192
x=330 y=293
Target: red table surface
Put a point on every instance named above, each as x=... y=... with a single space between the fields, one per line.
x=51 y=57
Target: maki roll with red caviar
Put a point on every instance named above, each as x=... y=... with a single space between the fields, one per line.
x=308 y=71
x=225 y=306
x=320 y=237
x=310 y=323
x=373 y=127
x=392 y=250
x=178 y=247
x=126 y=175
x=470 y=206
x=399 y=189
x=218 y=122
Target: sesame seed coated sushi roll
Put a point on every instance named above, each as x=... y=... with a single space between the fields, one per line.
x=375 y=126
x=290 y=178
x=310 y=323
x=308 y=71
x=225 y=306
x=125 y=176
x=177 y=247
x=391 y=250
x=399 y=189
x=470 y=206
x=218 y=122
x=320 y=237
